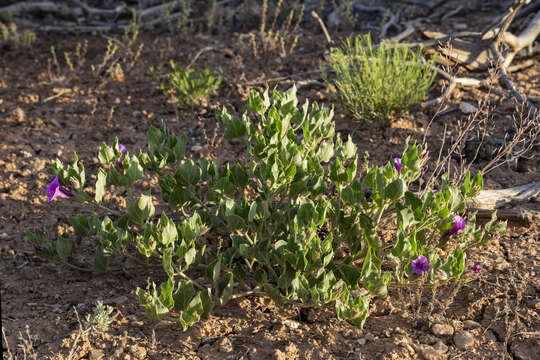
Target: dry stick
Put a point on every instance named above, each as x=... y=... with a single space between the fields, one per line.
x=42 y=6
x=386 y=26
x=316 y=16
x=507 y=83
x=452 y=13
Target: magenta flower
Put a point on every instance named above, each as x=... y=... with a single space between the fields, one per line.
x=476 y=269
x=56 y=191
x=426 y=155
x=420 y=265
x=122 y=148
x=459 y=224
x=399 y=166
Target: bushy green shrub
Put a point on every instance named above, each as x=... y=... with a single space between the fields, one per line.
x=290 y=220
x=187 y=86
x=375 y=83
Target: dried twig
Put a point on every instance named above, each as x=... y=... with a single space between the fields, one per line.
x=323 y=27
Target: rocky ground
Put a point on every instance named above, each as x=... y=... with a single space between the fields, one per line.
x=49 y=111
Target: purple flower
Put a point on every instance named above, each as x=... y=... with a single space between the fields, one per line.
x=37 y=247
x=55 y=190
x=122 y=148
x=476 y=269
x=399 y=166
x=426 y=155
x=459 y=224
x=420 y=265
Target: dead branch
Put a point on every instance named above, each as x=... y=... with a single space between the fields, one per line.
x=517 y=215
x=41 y=6
x=323 y=27
x=494 y=199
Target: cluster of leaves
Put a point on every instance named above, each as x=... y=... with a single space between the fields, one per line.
x=187 y=86
x=293 y=220
x=10 y=38
x=375 y=83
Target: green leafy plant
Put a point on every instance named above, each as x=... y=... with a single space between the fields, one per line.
x=100 y=319
x=376 y=83
x=293 y=220
x=187 y=86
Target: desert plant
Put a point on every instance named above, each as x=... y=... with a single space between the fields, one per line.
x=12 y=39
x=291 y=221
x=187 y=86
x=277 y=33
x=374 y=83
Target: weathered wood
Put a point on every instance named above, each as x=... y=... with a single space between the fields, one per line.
x=516 y=215
x=494 y=199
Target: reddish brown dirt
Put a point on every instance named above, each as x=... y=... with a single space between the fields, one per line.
x=43 y=117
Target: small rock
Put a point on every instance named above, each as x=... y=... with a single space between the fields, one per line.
x=96 y=354
x=279 y=355
x=440 y=346
x=362 y=341
x=225 y=345
x=19 y=114
x=430 y=353
x=460 y=26
x=470 y=324
x=463 y=340
x=196 y=148
x=369 y=336
x=291 y=323
x=137 y=351
x=136 y=113
x=442 y=330
x=467 y=108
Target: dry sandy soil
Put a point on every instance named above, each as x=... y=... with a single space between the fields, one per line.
x=47 y=113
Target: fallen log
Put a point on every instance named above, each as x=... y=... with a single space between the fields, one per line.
x=494 y=199
x=490 y=200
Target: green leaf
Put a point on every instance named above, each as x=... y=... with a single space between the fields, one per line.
x=141 y=209
x=213 y=270
x=252 y=211
x=64 y=247
x=395 y=190
x=100 y=185
x=134 y=171
x=239 y=175
x=183 y=295
x=166 y=297
x=351 y=274
x=189 y=258
x=101 y=262
x=169 y=234
x=226 y=288
x=167 y=260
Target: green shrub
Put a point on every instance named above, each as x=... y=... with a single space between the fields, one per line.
x=376 y=83
x=186 y=86
x=290 y=220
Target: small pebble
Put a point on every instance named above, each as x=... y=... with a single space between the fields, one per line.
x=291 y=323
x=467 y=108
x=463 y=340
x=470 y=324
x=442 y=330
